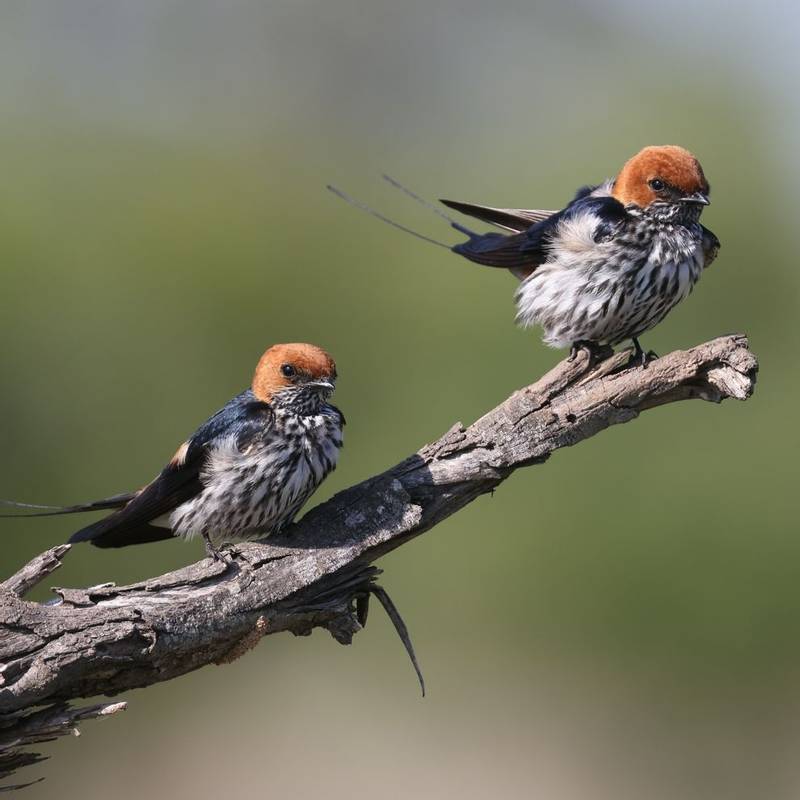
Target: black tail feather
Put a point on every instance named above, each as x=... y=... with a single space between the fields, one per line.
x=101 y=535
x=489 y=249
x=430 y=206
x=377 y=214
x=36 y=510
x=496 y=250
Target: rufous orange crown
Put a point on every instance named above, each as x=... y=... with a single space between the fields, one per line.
x=673 y=165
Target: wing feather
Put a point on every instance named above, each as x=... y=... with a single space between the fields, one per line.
x=180 y=480
x=515 y=220
x=176 y=484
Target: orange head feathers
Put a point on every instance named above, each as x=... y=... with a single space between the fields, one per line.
x=666 y=173
x=291 y=368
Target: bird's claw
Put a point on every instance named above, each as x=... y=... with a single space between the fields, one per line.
x=639 y=357
x=592 y=348
x=214 y=553
x=649 y=356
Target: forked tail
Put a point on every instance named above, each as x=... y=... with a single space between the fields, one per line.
x=383 y=218
x=489 y=249
x=24 y=510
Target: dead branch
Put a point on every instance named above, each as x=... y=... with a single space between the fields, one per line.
x=107 y=639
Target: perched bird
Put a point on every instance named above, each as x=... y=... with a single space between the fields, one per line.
x=609 y=266
x=244 y=473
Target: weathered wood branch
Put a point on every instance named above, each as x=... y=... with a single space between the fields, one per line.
x=107 y=639
x=18 y=731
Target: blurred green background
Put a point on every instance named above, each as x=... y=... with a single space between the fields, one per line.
x=619 y=623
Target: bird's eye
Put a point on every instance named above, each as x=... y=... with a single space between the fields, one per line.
x=288 y=370
x=656 y=184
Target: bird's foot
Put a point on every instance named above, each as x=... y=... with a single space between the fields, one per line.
x=639 y=357
x=215 y=553
x=593 y=349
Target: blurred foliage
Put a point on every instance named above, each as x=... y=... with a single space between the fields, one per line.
x=620 y=621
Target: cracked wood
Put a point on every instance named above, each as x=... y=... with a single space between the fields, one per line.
x=107 y=639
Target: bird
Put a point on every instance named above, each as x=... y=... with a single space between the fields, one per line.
x=607 y=267
x=243 y=474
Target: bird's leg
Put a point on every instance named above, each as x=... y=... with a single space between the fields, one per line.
x=638 y=353
x=213 y=552
x=639 y=356
x=592 y=348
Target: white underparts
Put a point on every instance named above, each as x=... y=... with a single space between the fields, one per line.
x=609 y=290
x=256 y=491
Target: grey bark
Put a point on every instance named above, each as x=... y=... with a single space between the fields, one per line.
x=108 y=639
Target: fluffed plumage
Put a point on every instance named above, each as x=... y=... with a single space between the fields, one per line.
x=243 y=474
x=612 y=263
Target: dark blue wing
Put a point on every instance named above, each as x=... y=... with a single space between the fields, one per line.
x=523 y=252
x=243 y=417
x=607 y=209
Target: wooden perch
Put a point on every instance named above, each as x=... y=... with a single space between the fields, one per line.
x=107 y=639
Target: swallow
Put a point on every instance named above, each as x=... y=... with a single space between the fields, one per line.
x=243 y=474
x=607 y=267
